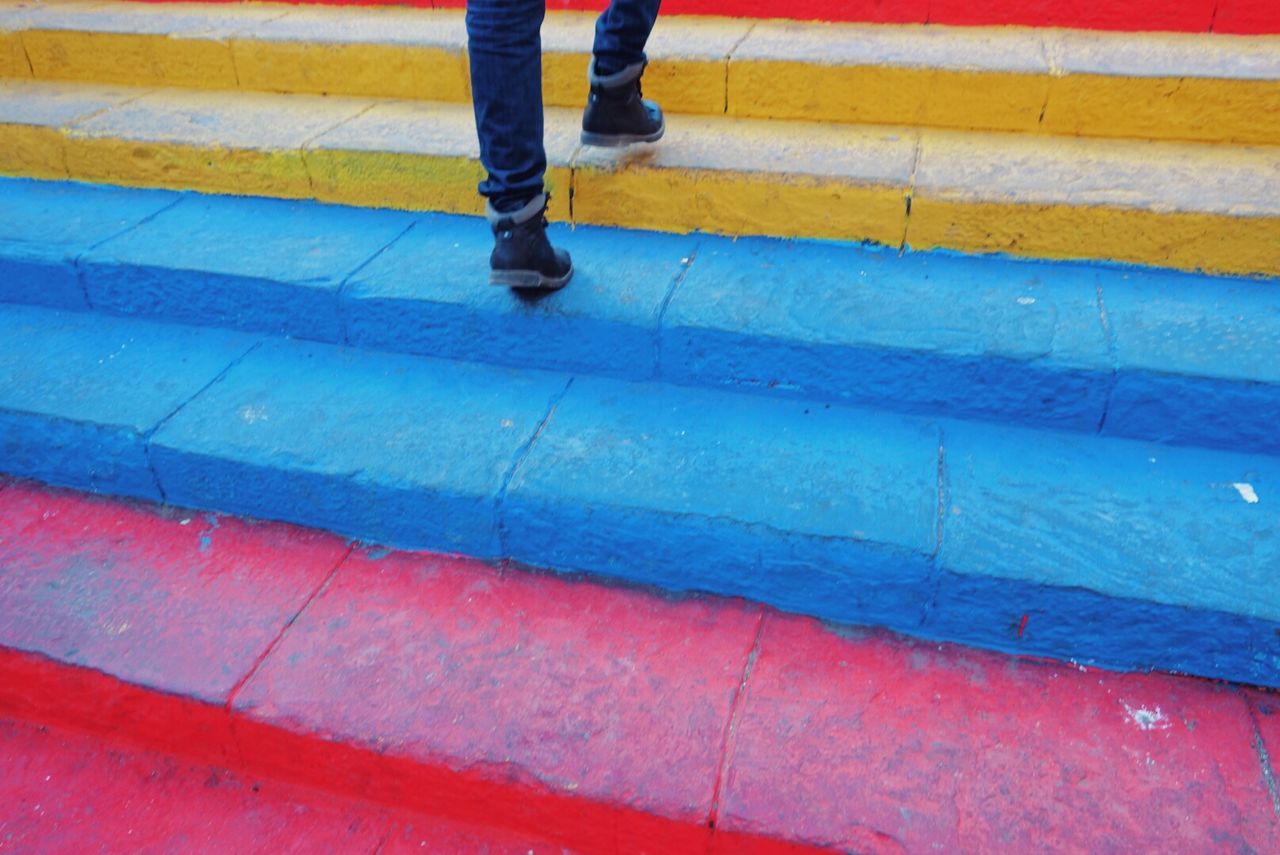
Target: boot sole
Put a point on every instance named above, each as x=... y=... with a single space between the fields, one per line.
x=620 y=140
x=529 y=280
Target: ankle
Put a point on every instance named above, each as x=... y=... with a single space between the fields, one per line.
x=509 y=213
x=604 y=78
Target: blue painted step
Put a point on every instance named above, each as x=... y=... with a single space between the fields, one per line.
x=1116 y=552
x=1127 y=352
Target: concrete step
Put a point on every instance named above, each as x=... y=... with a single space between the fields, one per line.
x=1157 y=86
x=553 y=712
x=1146 y=354
x=1125 y=553
x=1180 y=205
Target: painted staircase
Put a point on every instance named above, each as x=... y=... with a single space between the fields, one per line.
x=969 y=334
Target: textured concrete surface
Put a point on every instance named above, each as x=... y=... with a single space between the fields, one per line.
x=283 y=276
x=1098 y=198
x=204 y=595
x=1164 y=87
x=399 y=449
x=194 y=140
x=928 y=332
x=578 y=687
x=873 y=746
x=388 y=53
x=1150 y=524
x=995 y=80
x=32 y=115
x=839 y=514
x=1168 y=334
x=46 y=227
x=526 y=708
x=146 y=45
x=73 y=409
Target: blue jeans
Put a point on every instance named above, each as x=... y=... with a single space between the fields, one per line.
x=505 y=43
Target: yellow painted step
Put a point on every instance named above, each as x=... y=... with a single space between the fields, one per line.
x=1181 y=205
x=1210 y=88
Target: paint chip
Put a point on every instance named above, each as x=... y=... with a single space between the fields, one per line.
x=1246 y=492
x=253 y=414
x=1147 y=719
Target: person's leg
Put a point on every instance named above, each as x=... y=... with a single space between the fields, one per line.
x=505 y=45
x=616 y=112
x=621 y=33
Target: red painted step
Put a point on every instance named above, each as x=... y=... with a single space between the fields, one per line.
x=67 y=792
x=598 y=718
x=1191 y=16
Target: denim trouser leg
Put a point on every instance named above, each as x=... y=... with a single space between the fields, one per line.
x=505 y=43
x=621 y=33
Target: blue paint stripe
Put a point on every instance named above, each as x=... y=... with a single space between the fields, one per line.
x=1179 y=358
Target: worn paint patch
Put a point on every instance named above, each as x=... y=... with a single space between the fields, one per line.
x=1246 y=492
x=1147 y=718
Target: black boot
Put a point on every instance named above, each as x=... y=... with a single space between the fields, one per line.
x=616 y=115
x=522 y=256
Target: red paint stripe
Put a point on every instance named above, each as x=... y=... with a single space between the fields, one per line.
x=1247 y=17
x=596 y=716
x=1192 y=16
x=66 y=792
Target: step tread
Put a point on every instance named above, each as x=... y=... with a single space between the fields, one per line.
x=689 y=489
x=596 y=715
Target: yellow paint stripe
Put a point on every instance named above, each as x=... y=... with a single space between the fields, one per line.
x=732 y=202
x=1153 y=86
x=140 y=59
x=1213 y=243
x=13 y=59
x=944 y=98
x=32 y=151
x=377 y=70
x=1207 y=110
x=209 y=169
x=983 y=192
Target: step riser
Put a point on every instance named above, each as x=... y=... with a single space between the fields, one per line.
x=1205 y=109
x=673 y=200
x=676 y=329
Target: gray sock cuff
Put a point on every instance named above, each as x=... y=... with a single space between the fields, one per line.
x=531 y=209
x=630 y=74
